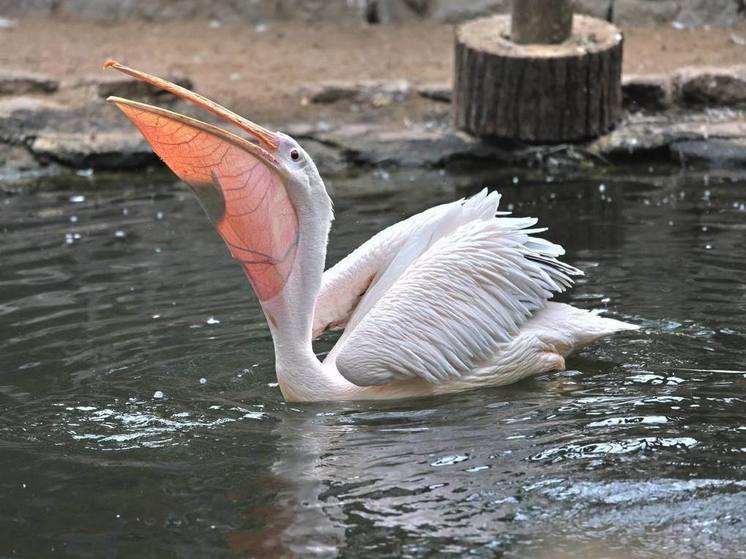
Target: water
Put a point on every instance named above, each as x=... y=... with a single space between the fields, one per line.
x=139 y=414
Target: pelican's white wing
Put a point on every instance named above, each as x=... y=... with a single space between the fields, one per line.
x=390 y=252
x=450 y=310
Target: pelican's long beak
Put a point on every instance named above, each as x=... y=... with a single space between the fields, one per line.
x=267 y=140
x=240 y=184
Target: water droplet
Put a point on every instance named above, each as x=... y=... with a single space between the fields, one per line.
x=159 y=215
x=73 y=219
x=203 y=380
x=602 y=187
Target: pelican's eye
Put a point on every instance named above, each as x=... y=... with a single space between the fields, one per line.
x=294 y=154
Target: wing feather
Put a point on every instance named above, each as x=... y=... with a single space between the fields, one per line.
x=355 y=283
x=450 y=310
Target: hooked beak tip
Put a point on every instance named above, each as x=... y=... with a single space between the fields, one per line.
x=268 y=139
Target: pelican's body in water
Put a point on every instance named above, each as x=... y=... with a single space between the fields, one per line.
x=453 y=298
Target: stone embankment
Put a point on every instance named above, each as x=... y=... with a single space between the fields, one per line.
x=695 y=114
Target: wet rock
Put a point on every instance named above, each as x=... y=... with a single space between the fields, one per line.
x=712 y=86
x=436 y=91
x=715 y=152
x=15 y=82
x=674 y=135
x=113 y=149
x=375 y=92
x=650 y=92
x=124 y=86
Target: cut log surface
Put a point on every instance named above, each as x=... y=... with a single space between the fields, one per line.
x=537 y=93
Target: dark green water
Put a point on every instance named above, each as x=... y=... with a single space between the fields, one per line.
x=139 y=415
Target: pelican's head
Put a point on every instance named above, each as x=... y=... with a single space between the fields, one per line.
x=259 y=193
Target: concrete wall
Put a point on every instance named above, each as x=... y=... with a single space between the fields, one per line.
x=624 y=12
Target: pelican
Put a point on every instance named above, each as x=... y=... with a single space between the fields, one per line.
x=454 y=298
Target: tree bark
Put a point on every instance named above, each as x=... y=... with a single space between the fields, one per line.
x=544 y=22
x=537 y=93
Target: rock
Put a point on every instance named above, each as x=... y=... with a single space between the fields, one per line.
x=395 y=11
x=418 y=146
x=124 y=86
x=113 y=149
x=15 y=159
x=450 y=11
x=645 y=12
x=436 y=91
x=596 y=8
x=715 y=152
x=695 y=13
x=661 y=136
x=14 y=8
x=15 y=82
x=650 y=92
x=712 y=86
x=22 y=116
x=375 y=92
x=98 y=9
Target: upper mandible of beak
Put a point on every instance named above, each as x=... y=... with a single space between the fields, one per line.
x=267 y=139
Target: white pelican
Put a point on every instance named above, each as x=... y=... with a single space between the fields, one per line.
x=454 y=298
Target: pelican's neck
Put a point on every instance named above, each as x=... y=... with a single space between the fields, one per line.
x=290 y=314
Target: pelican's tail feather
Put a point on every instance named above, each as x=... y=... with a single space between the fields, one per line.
x=570 y=329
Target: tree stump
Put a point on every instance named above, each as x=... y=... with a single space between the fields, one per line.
x=539 y=92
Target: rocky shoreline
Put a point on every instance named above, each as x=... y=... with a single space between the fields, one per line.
x=694 y=115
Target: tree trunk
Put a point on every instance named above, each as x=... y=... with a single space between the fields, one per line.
x=537 y=93
x=544 y=22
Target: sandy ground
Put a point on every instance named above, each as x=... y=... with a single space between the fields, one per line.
x=260 y=72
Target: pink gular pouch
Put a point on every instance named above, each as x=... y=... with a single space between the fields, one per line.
x=238 y=183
